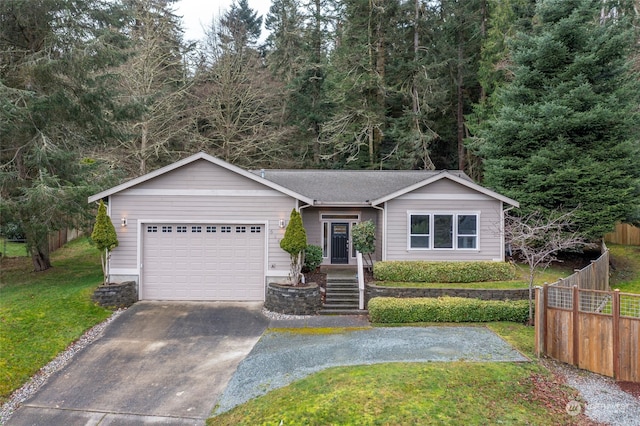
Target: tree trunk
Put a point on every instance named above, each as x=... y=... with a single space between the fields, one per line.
x=40 y=259
x=460 y=89
x=143 y=149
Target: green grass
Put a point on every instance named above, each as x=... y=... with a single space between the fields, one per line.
x=12 y=249
x=42 y=313
x=549 y=275
x=625 y=274
x=417 y=393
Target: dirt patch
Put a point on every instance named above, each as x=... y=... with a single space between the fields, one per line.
x=553 y=392
x=630 y=388
x=316 y=277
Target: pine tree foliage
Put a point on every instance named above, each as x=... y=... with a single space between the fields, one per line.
x=56 y=108
x=565 y=134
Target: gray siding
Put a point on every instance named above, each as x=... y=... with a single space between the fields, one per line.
x=447 y=197
x=270 y=206
x=201 y=174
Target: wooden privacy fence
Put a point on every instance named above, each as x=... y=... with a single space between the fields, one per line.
x=59 y=238
x=592 y=328
x=624 y=234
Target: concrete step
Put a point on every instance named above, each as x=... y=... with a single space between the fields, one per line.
x=342 y=291
x=340 y=311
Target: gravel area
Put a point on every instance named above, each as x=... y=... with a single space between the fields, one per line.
x=41 y=377
x=605 y=401
x=280 y=358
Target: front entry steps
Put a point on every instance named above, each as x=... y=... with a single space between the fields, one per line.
x=342 y=295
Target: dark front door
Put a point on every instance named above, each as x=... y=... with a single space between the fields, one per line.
x=339 y=243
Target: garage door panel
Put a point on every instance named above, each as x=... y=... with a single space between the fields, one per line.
x=203 y=262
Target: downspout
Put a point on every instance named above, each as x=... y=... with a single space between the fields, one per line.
x=502 y=232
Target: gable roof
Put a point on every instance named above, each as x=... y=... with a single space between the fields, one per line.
x=465 y=181
x=327 y=187
x=189 y=160
x=357 y=187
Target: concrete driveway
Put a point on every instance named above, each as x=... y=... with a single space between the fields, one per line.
x=158 y=362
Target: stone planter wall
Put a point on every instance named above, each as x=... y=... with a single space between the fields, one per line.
x=285 y=299
x=121 y=295
x=372 y=291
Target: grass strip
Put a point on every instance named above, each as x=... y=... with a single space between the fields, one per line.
x=42 y=313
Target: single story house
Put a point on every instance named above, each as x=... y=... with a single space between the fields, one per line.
x=204 y=229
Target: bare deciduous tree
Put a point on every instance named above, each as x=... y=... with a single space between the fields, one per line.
x=537 y=238
x=240 y=107
x=154 y=86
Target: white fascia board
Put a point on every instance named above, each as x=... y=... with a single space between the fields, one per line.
x=191 y=159
x=442 y=175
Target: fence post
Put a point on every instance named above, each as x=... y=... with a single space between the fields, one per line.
x=576 y=327
x=606 y=272
x=540 y=322
x=615 y=328
x=545 y=302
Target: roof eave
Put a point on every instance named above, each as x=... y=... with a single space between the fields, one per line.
x=341 y=204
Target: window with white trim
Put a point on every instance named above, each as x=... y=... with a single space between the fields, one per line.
x=443 y=231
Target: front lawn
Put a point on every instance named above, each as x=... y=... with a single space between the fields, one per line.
x=625 y=268
x=42 y=313
x=418 y=393
x=549 y=275
x=12 y=248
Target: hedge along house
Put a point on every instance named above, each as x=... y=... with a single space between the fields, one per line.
x=203 y=229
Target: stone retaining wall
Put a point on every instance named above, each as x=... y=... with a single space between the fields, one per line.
x=285 y=299
x=372 y=291
x=121 y=295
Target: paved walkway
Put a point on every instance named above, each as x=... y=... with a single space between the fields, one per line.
x=282 y=357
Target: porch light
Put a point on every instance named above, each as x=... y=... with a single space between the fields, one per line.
x=281 y=223
x=123 y=221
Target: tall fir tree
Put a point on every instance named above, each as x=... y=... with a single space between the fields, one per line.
x=565 y=131
x=56 y=107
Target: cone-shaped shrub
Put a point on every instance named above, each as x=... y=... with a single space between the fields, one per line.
x=294 y=243
x=104 y=236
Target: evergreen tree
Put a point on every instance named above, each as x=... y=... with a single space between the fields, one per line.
x=242 y=27
x=294 y=243
x=355 y=131
x=56 y=107
x=565 y=132
x=297 y=54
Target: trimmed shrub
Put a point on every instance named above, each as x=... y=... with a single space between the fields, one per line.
x=446 y=309
x=312 y=258
x=443 y=272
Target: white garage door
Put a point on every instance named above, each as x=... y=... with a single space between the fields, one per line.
x=203 y=262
